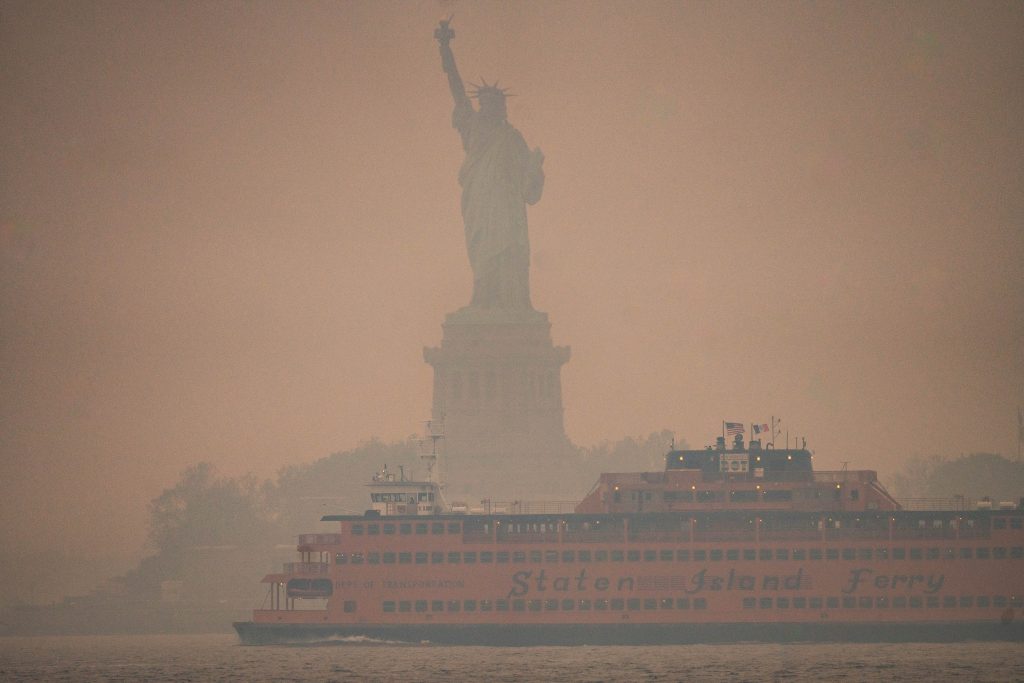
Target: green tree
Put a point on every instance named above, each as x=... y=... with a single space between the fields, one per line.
x=973 y=476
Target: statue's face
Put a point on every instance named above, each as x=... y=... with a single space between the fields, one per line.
x=493 y=106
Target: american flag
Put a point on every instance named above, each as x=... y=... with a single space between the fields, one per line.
x=733 y=428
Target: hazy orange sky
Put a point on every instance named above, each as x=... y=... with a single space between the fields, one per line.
x=229 y=228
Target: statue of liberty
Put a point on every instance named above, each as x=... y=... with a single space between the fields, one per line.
x=499 y=177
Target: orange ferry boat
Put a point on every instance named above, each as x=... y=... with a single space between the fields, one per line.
x=730 y=543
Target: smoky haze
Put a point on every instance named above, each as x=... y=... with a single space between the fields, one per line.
x=229 y=229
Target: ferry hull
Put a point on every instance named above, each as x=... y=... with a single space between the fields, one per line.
x=521 y=635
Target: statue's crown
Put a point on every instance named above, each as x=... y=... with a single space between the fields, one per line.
x=485 y=90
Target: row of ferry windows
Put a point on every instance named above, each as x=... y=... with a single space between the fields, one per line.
x=618 y=604
x=406 y=528
x=883 y=601
x=681 y=555
x=549 y=605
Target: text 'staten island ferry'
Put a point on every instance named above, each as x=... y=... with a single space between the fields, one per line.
x=730 y=543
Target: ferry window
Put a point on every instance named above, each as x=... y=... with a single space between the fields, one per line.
x=700 y=555
x=501 y=605
x=585 y=604
x=519 y=556
x=568 y=556
x=1016 y=552
x=373 y=529
x=617 y=604
x=389 y=529
x=601 y=555
x=881 y=602
x=849 y=602
x=389 y=558
x=617 y=496
x=865 y=602
x=601 y=603
x=405 y=558
x=765 y=554
x=782 y=554
x=437 y=605
x=551 y=556
x=864 y=554
x=405 y=529
x=568 y=604
x=533 y=605
x=899 y=602
x=469 y=558
x=404 y=606
x=617 y=556
x=966 y=601
x=832 y=553
x=1016 y=601
x=999 y=553
x=536 y=556
x=454 y=558
x=339 y=558
x=800 y=554
x=815 y=553
x=373 y=558
x=454 y=605
x=849 y=554
x=700 y=603
x=716 y=555
x=667 y=555
x=765 y=603
x=682 y=603
x=981 y=553
x=899 y=553
x=882 y=553
x=437 y=528
x=743 y=496
x=454 y=528
x=650 y=555
x=949 y=553
x=633 y=604
x=469 y=605
x=916 y=601
x=999 y=523
x=683 y=555
x=486 y=606
x=916 y=553
x=778 y=496
x=633 y=555
x=1015 y=523
x=436 y=557
x=732 y=554
x=799 y=603
x=832 y=603
x=814 y=603
x=932 y=601
x=357 y=529
x=854 y=494
x=421 y=605
x=667 y=603
x=782 y=603
x=705 y=496
x=949 y=601
x=349 y=606
x=933 y=553
x=421 y=528
x=519 y=605
x=749 y=603
x=487 y=557
x=357 y=558
x=584 y=556
x=982 y=601
x=999 y=601
x=389 y=605
x=551 y=605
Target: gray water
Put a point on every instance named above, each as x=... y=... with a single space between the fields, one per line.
x=221 y=658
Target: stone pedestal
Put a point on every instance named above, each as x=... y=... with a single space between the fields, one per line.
x=498 y=391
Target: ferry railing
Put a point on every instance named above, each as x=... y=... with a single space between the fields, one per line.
x=307 y=568
x=958 y=503
x=319 y=539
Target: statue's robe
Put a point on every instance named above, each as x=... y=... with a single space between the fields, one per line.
x=499 y=177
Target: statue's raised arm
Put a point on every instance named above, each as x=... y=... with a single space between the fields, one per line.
x=444 y=35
